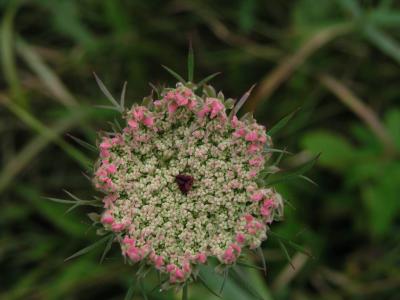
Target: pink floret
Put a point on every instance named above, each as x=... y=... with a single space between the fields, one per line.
x=201 y=258
x=148 y=121
x=240 y=238
x=133 y=124
x=107 y=218
x=172 y=107
x=117 y=227
x=216 y=107
x=257 y=161
x=266 y=207
x=138 y=112
x=251 y=136
x=105 y=145
x=257 y=196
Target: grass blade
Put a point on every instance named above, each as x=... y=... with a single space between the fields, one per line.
x=107 y=93
x=72 y=195
x=63 y=201
x=142 y=290
x=190 y=63
x=224 y=281
x=131 y=290
x=176 y=75
x=122 y=99
x=273 y=150
x=8 y=58
x=242 y=101
x=88 y=249
x=107 y=107
x=39 y=142
x=282 y=123
x=243 y=264
x=84 y=144
x=107 y=248
x=292 y=173
x=308 y=180
x=264 y=264
x=291 y=244
x=279 y=158
x=384 y=42
x=77 y=204
x=46 y=74
x=208 y=78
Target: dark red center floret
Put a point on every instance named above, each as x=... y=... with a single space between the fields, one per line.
x=185 y=183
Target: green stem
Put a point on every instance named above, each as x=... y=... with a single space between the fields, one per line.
x=185 y=292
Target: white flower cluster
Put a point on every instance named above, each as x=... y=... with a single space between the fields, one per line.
x=181 y=183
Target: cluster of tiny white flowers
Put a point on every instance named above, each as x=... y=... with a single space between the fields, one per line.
x=181 y=183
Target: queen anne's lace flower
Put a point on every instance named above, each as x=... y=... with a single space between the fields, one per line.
x=181 y=183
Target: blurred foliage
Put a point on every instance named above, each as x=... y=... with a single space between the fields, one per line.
x=339 y=60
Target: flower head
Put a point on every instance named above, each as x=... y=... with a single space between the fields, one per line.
x=181 y=183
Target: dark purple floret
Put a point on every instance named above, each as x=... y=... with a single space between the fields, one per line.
x=185 y=183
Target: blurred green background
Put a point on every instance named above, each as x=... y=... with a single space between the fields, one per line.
x=339 y=60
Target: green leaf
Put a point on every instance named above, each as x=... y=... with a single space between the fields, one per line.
x=226 y=272
x=291 y=173
x=207 y=79
x=308 y=180
x=108 y=107
x=246 y=265
x=131 y=290
x=64 y=201
x=336 y=152
x=245 y=284
x=142 y=290
x=282 y=123
x=208 y=287
x=258 y=283
x=174 y=74
x=262 y=257
x=280 y=151
x=290 y=243
x=107 y=93
x=279 y=158
x=107 y=248
x=190 y=63
x=382 y=200
x=89 y=248
x=122 y=98
x=94 y=203
x=241 y=102
x=84 y=144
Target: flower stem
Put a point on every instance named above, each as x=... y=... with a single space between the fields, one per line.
x=185 y=292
